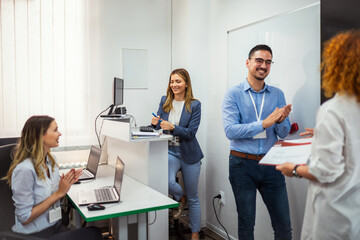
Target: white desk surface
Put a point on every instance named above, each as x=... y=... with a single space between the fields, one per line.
x=135 y=197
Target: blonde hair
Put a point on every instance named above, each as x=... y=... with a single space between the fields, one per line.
x=189 y=97
x=341 y=64
x=31 y=146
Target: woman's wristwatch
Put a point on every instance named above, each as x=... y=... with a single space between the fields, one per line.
x=294 y=172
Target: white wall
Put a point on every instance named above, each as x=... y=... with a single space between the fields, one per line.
x=200 y=42
x=139 y=24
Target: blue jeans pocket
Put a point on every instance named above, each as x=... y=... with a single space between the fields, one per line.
x=236 y=161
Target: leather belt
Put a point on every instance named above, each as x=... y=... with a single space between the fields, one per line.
x=246 y=155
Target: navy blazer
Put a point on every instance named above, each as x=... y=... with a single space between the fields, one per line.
x=188 y=126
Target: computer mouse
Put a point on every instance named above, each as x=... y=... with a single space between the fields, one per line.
x=95 y=206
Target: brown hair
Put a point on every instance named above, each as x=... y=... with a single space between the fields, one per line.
x=31 y=146
x=189 y=97
x=341 y=64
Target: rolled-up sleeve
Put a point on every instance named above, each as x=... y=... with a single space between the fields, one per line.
x=22 y=184
x=231 y=116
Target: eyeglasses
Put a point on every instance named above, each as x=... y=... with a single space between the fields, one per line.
x=260 y=61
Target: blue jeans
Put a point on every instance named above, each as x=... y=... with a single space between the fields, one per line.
x=190 y=174
x=246 y=176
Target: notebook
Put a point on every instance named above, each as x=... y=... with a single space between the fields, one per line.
x=92 y=165
x=106 y=194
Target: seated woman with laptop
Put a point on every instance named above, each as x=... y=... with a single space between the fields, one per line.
x=37 y=186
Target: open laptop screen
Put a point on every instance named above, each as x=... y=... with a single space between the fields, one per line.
x=93 y=161
x=119 y=173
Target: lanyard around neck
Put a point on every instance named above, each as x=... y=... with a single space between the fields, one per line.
x=261 y=108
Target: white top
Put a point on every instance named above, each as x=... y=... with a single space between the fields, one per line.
x=175 y=112
x=175 y=115
x=333 y=204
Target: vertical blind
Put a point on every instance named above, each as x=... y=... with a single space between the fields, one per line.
x=44 y=67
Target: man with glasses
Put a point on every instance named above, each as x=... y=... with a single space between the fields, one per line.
x=254 y=116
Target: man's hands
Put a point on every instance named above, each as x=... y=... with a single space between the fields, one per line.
x=277 y=116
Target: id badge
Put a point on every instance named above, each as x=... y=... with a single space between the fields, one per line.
x=261 y=135
x=54 y=214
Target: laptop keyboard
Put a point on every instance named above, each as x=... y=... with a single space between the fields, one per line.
x=86 y=173
x=104 y=194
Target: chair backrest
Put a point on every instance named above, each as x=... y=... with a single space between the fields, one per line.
x=6 y=141
x=7 y=209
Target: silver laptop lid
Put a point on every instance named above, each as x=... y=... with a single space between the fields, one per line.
x=119 y=175
x=93 y=161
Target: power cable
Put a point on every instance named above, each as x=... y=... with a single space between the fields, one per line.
x=97 y=135
x=219 y=197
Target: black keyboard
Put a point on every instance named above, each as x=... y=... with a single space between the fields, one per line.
x=146 y=129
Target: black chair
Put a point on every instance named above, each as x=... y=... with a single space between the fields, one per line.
x=6 y=141
x=7 y=209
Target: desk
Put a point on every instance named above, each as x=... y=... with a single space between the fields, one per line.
x=146 y=160
x=136 y=199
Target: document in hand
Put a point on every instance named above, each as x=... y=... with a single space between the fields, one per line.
x=294 y=151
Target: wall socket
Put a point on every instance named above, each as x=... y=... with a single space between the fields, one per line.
x=222 y=199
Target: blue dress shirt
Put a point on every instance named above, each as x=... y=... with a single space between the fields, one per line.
x=28 y=191
x=240 y=122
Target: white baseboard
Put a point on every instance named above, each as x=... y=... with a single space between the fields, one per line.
x=219 y=231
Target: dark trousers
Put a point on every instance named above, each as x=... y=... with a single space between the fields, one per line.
x=246 y=176
x=60 y=232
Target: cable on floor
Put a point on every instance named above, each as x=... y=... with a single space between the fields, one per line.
x=219 y=196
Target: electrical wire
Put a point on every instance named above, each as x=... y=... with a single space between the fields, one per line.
x=219 y=196
x=97 y=135
x=154 y=220
x=132 y=119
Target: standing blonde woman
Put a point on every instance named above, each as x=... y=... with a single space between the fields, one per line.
x=179 y=112
x=37 y=186
x=333 y=201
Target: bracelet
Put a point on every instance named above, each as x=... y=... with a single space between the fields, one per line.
x=294 y=172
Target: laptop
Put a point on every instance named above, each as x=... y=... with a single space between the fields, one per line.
x=105 y=194
x=92 y=165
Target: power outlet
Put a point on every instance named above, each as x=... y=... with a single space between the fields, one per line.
x=222 y=199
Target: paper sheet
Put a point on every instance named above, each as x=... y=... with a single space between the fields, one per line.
x=294 y=151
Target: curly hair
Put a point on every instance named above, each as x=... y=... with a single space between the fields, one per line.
x=341 y=64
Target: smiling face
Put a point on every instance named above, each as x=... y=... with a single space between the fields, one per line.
x=178 y=86
x=51 y=136
x=256 y=70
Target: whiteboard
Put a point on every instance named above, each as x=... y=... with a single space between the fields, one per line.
x=294 y=38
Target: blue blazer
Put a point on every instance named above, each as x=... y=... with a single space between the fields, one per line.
x=188 y=126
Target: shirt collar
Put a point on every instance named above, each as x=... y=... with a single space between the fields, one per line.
x=248 y=87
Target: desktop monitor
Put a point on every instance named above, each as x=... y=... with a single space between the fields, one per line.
x=118 y=91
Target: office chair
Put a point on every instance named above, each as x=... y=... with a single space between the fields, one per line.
x=6 y=141
x=7 y=209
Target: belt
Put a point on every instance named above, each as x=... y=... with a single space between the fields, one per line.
x=246 y=155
